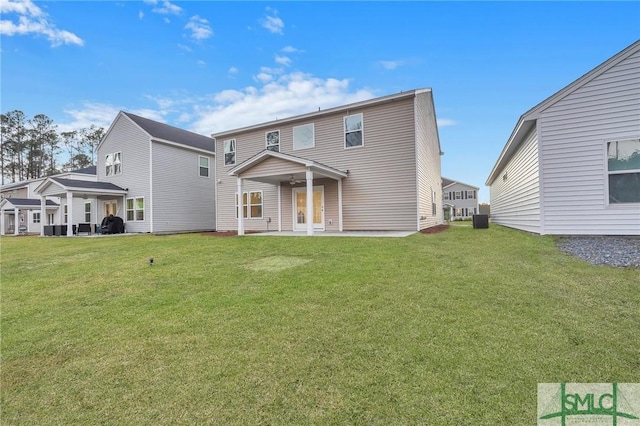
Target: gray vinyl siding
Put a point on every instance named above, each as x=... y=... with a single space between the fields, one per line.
x=573 y=136
x=515 y=202
x=182 y=200
x=380 y=191
x=428 y=162
x=468 y=203
x=126 y=137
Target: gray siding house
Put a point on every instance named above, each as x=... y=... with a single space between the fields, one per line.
x=460 y=199
x=371 y=165
x=572 y=163
x=157 y=177
x=20 y=204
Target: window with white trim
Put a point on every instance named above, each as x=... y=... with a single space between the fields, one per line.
x=135 y=209
x=87 y=211
x=36 y=217
x=203 y=166
x=229 y=152
x=353 y=128
x=445 y=196
x=272 y=139
x=471 y=195
x=113 y=164
x=623 y=168
x=251 y=205
x=304 y=136
x=50 y=218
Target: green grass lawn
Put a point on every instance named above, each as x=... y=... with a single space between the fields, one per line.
x=453 y=328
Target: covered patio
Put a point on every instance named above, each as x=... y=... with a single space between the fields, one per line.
x=15 y=213
x=68 y=190
x=308 y=204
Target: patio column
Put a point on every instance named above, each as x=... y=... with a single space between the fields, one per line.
x=240 y=207
x=2 y=228
x=340 y=204
x=69 y=214
x=279 y=206
x=309 y=201
x=16 y=213
x=43 y=214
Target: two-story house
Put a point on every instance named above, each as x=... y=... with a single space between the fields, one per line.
x=460 y=199
x=157 y=177
x=371 y=165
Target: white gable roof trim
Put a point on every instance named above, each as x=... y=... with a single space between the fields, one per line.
x=265 y=154
x=528 y=120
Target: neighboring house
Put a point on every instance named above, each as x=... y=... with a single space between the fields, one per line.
x=572 y=163
x=371 y=165
x=19 y=200
x=157 y=177
x=460 y=199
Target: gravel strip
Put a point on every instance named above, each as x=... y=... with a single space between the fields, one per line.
x=612 y=251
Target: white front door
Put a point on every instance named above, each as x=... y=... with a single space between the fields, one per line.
x=300 y=208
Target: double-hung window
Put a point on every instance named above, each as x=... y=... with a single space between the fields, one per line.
x=113 y=164
x=623 y=168
x=135 y=209
x=203 y=169
x=230 y=152
x=36 y=217
x=273 y=140
x=251 y=205
x=353 y=128
x=303 y=136
x=87 y=211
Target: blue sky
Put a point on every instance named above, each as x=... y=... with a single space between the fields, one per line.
x=212 y=66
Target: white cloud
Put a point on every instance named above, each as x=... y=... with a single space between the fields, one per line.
x=185 y=48
x=140 y=14
x=285 y=96
x=283 y=60
x=166 y=20
x=90 y=113
x=390 y=65
x=233 y=71
x=32 y=20
x=199 y=27
x=446 y=122
x=290 y=49
x=201 y=63
x=167 y=8
x=272 y=22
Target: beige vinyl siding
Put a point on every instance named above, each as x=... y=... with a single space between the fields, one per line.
x=515 y=202
x=273 y=166
x=126 y=137
x=330 y=204
x=427 y=162
x=182 y=200
x=573 y=134
x=380 y=191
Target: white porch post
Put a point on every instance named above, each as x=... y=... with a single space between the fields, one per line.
x=340 y=204
x=240 y=207
x=280 y=207
x=2 y=228
x=69 y=214
x=309 y=201
x=43 y=214
x=16 y=213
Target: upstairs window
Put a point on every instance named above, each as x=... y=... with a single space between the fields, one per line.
x=203 y=166
x=273 y=140
x=353 y=128
x=113 y=164
x=230 y=152
x=623 y=167
x=304 y=136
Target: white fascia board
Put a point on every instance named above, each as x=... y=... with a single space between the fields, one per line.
x=182 y=146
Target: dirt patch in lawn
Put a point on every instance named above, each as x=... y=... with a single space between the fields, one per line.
x=435 y=229
x=275 y=263
x=227 y=233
